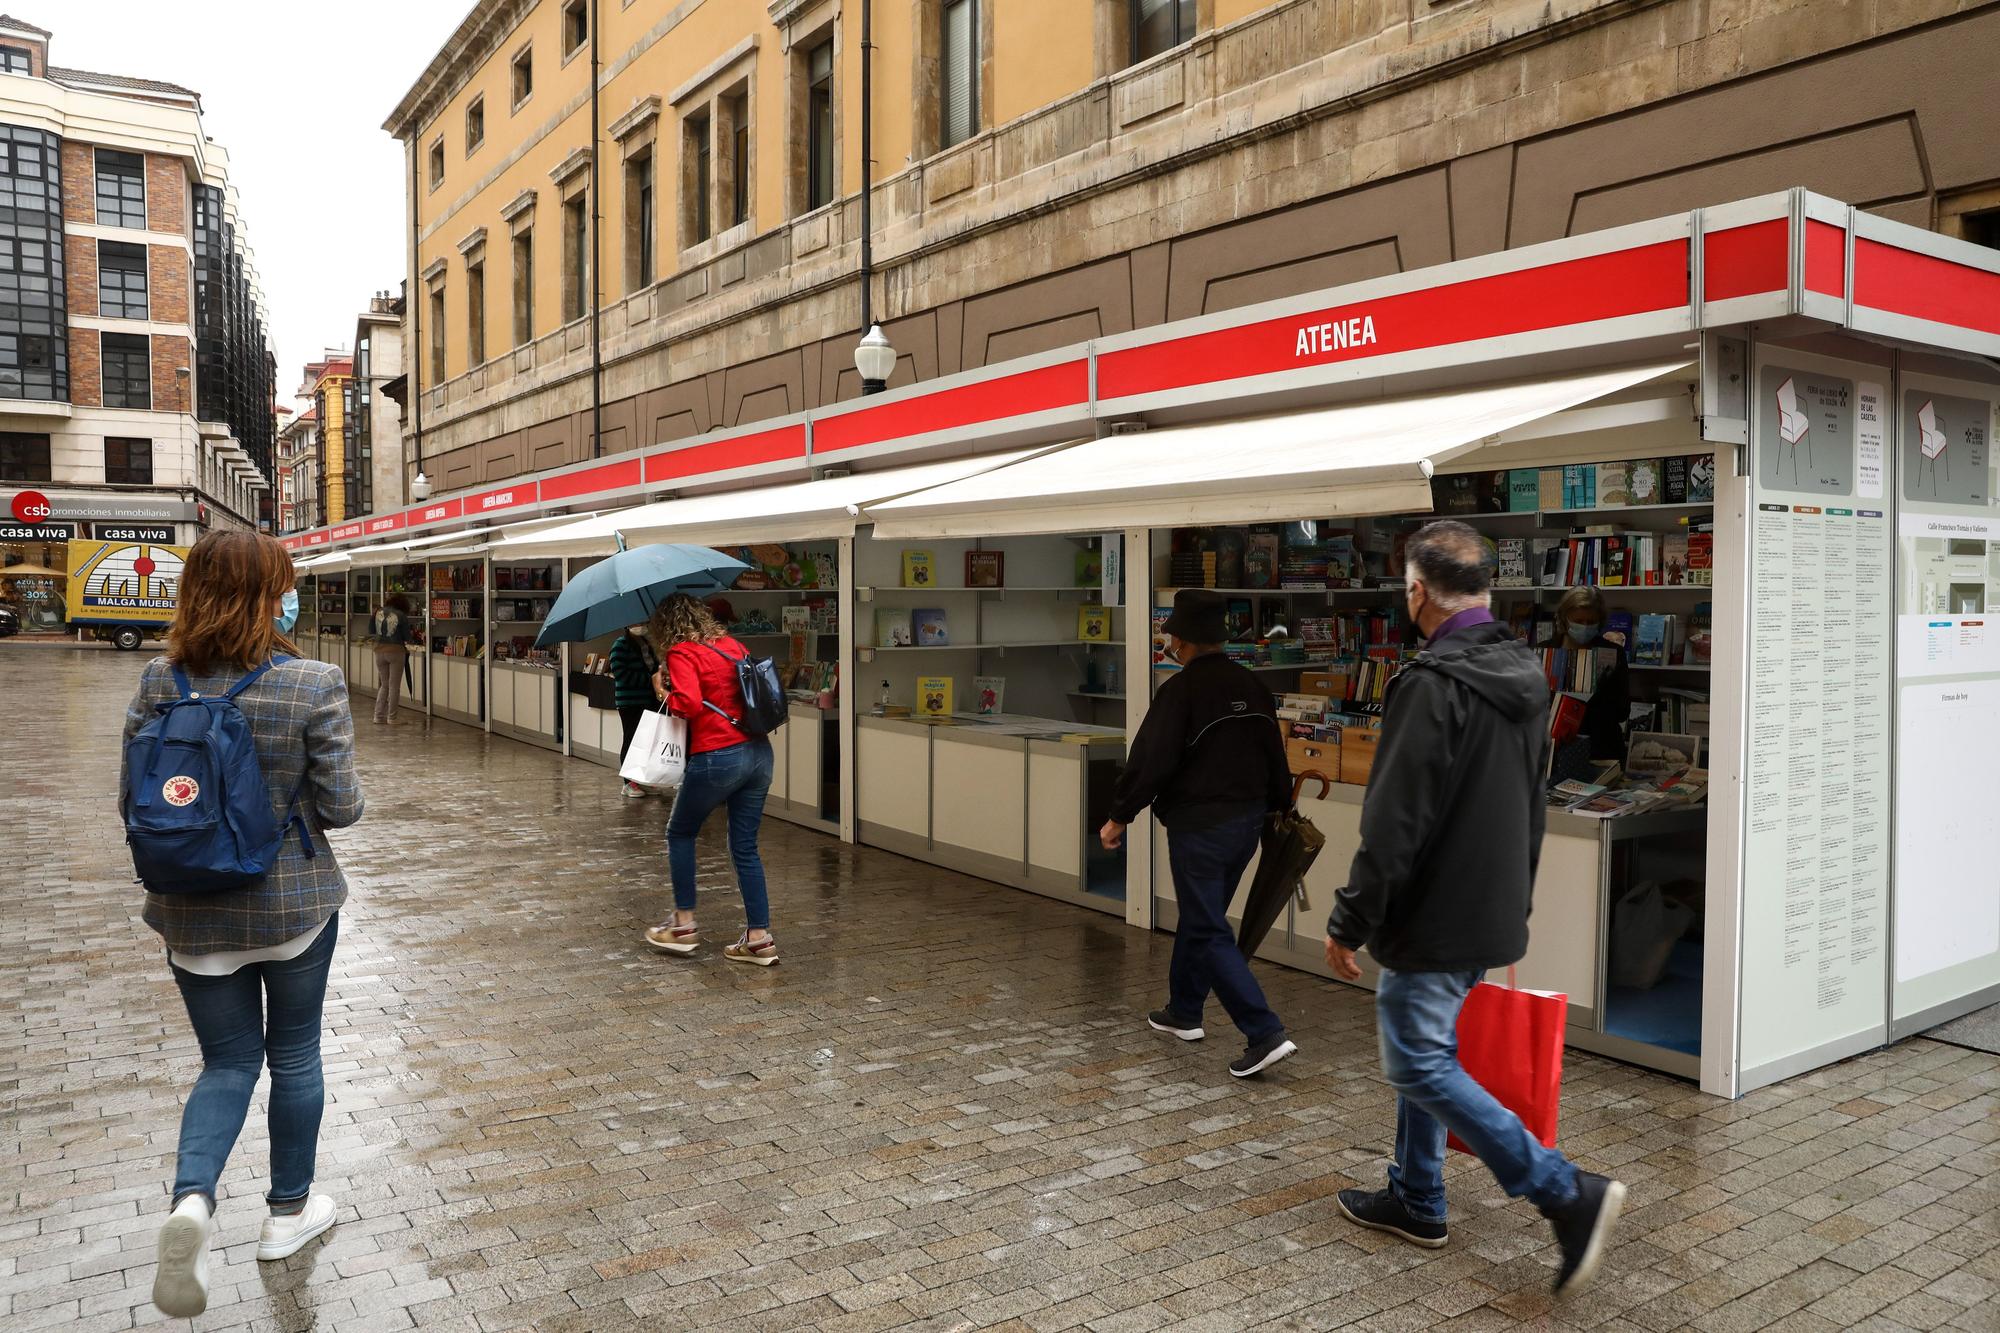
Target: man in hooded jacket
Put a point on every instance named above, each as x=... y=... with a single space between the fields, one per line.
x=1439 y=893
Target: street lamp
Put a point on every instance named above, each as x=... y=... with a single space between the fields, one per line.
x=420 y=487
x=875 y=358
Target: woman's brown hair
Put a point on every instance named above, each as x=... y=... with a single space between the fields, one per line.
x=224 y=616
x=682 y=619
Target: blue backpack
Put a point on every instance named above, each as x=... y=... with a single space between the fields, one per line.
x=197 y=816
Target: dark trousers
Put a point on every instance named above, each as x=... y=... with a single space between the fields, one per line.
x=628 y=717
x=1207 y=864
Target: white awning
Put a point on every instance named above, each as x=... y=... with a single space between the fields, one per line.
x=330 y=563
x=440 y=546
x=1359 y=458
x=801 y=511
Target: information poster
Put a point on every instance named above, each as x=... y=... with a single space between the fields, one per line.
x=1816 y=822
x=1947 y=909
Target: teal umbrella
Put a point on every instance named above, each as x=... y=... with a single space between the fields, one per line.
x=624 y=589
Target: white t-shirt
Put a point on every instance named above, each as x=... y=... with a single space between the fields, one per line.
x=234 y=960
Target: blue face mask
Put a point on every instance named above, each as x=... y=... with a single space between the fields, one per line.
x=288 y=612
x=1582 y=633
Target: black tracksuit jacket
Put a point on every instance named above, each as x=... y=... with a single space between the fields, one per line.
x=1209 y=750
x=1451 y=828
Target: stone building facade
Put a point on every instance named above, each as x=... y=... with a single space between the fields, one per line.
x=1270 y=147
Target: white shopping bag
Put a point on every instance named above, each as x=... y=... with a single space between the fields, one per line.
x=658 y=755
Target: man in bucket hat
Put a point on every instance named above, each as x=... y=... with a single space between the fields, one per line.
x=1210 y=760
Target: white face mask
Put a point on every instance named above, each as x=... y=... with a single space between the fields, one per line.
x=636 y=631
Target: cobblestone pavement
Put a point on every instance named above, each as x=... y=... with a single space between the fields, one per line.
x=943 y=1111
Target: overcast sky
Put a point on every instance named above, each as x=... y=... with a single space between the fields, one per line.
x=297 y=94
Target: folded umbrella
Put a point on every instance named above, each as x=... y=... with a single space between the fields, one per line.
x=1290 y=845
x=624 y=588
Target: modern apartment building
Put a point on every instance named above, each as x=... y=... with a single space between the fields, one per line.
x=632 y=223
x=135 y=381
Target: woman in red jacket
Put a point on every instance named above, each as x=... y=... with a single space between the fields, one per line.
x=725 y=766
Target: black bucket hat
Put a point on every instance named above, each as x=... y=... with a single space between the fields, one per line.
x=1199 y=616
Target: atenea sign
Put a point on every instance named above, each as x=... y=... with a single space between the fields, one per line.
x=1338 y=336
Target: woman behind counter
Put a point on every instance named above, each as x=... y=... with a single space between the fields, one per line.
x=1580 y=628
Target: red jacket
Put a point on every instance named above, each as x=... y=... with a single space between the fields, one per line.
x=699 y=675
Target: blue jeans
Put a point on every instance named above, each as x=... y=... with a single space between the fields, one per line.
x=1207 y=864
x=236 y=1038
x=1417 y=1015
x=739 y=777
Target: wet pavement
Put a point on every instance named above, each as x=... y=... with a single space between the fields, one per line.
x=942 y=1111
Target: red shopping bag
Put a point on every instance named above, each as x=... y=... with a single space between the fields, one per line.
x=1511 y=1042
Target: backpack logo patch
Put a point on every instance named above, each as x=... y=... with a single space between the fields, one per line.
x=180 y=790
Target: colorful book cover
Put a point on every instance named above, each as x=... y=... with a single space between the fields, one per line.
x=1674 y=559
x=1649 y=645
x=934 y=696
x=1701 y=478
x=795 y=619
x=1260 y=560
x=1228 y=561
x=1572 y=474
x=928 y=626
x=1701 y=558
x=1090 y=566
x=985 y=569
x=1494 y=490
x=1524 y=490
x=1614 y=485
x=1513 y=562
x=1160 y=614
x=1093 y=623
x=1674 y=481
x=892 y=627
x=1646 y=485
x=1551 y=489
x=990 y=694
x=919 y=570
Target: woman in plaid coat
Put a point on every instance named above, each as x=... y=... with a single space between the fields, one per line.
x=252 y=963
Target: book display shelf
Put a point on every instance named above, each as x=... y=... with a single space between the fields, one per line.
x=992 y=708
x=456 y=618
x=524 y=684
x=1317 y=610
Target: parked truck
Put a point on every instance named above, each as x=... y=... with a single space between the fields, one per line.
x=123 y=592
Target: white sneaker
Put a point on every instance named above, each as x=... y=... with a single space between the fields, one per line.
x=180 y=1285
x=283 y=1237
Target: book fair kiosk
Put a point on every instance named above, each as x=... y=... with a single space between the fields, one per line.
x=1762 y=432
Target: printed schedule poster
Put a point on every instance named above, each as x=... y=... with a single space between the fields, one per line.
x=1816 y=818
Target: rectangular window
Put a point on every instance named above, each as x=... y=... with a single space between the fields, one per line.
x=524 y=288
x=121 y=280
x=701 y=169
x=437 y=336
x=576 y=26
x=1160 y=25
x=121 y=189
x=739 y=160
x=128 y=462
x=437 y=163
x=958 y=79
x=127 y=370
x=14 y=60
x=475 y=125
x=819 y=125
x=24 y=457
x=362 y=358
x=576 y=257
x=524 y=75
x=475 y=315
x=639 y=221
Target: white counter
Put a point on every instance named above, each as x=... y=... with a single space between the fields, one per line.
x=1005 y=799
x=458 y=689
x=525 y=700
